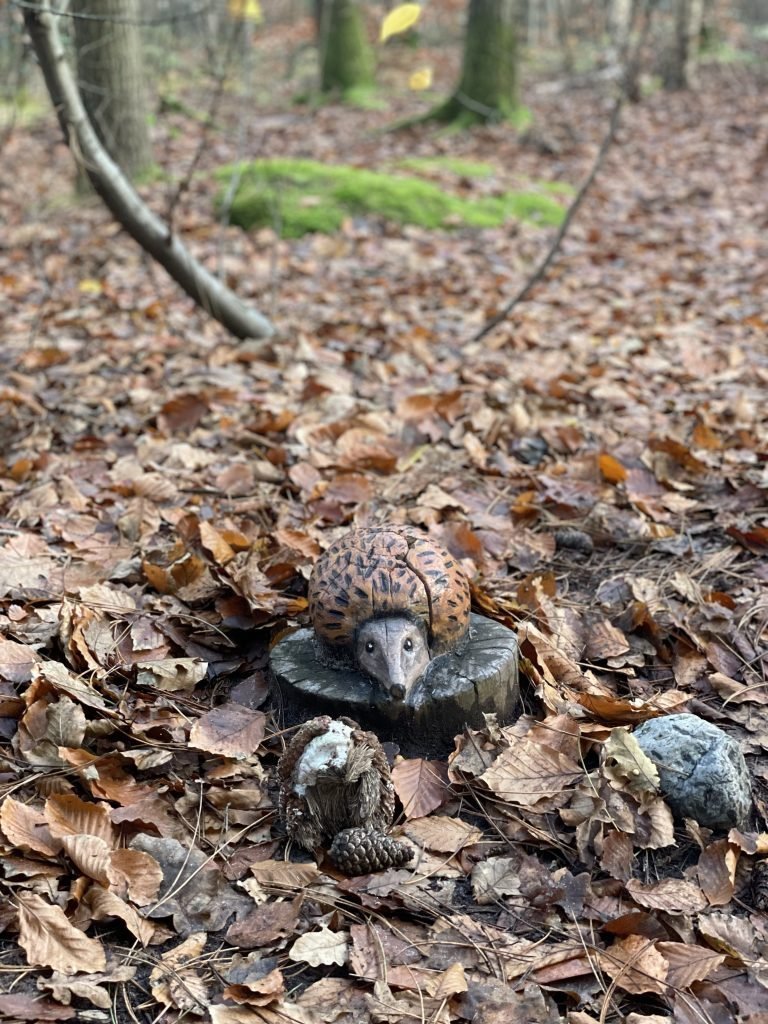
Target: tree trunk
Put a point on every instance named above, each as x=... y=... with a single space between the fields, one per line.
x=346 y=58
x=679 y=64
x=488 y=87
x=111 y=79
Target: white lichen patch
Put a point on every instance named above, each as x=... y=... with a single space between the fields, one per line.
x=329 y=750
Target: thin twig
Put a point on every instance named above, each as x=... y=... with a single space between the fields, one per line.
x=630 y=65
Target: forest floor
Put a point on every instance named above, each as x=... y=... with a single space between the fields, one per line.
x=597 y=463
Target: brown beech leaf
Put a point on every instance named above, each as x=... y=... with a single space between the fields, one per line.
x=89 y=854
x=449 y=983
x=105 y=904
x=321 y=947
x=178 y=985
x=16 y=661
x=422 y=786
x=66 y=988
x=49 y=940
x=285 y=877
x=27 y=828
x=215 y=544
x=265 y=924
x=635 y=965
x=688 y=963
x=18 y=1006
x=716 y=871
x=284 y=1011
x=68 y=815
x=172 y=675
x=673 y=895
x=528 y=772
x=442 y=834
x=616 y=858
x=230 y=730
x=605 y=641
x=135 y=875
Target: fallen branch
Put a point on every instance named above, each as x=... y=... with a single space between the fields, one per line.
x=122 y=200
x=630 y=68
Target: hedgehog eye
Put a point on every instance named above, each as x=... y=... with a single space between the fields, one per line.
x=408 y=644
x=370 y=646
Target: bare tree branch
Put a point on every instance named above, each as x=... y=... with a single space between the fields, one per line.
x=626 y=84
x=119 y=195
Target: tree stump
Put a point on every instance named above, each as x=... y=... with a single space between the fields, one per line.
x=455 y=691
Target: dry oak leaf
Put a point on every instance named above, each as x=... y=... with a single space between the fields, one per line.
x=174 y=983
x=172 y=675
x=673 y=895
x=27 y=828
x=65 y=989
x=321 y=947
x=230 y=730
x=635 y=965
x=49 y=940
x=529 y=772
x=495 y=877
x=442 y=834
x=632 y=770
x=422 y=786
x=688 y=963
x=68 y=815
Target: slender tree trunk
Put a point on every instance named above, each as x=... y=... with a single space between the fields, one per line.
x=487 y=90
x=679 y=65
x=346 y=58
x=111 y=79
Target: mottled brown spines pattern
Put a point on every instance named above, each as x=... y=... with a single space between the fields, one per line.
x=388 y=571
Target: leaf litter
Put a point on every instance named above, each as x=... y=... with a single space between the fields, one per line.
x=598 y=466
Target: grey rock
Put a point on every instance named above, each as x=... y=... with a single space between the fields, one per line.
x=702 y=770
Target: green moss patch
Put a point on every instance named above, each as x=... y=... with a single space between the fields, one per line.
x=296 y=197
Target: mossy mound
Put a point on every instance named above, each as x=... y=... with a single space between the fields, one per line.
x=296 y=197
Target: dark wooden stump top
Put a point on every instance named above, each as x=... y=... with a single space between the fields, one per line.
x=454 y=692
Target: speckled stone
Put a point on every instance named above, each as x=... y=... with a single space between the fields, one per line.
x=702 y=770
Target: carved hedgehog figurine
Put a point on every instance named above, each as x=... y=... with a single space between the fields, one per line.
x=388 y=600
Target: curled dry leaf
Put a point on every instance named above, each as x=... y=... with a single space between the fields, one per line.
x=230 y=730
x=635 y=965
x=321 y=947
x=89 y=854
x=135 y=875
x=176 y=984
x=27 y=828
x=49 y=940
x=716 y=872
x=105 y=904
x=631 y=769
x=172 y=675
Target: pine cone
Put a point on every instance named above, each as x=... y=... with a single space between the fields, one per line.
x=359 y=851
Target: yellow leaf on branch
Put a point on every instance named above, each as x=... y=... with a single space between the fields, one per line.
x=246 y=10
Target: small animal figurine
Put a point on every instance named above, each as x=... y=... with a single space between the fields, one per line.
x=336 y=791
x=387 y=600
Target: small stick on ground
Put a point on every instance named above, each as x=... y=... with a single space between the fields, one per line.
x=630 y=68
